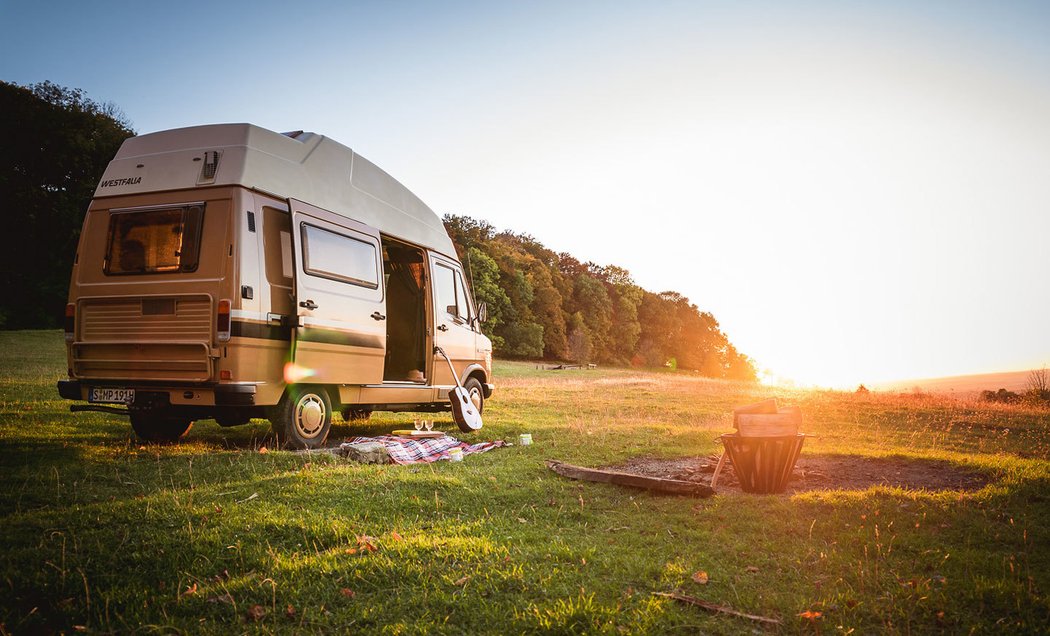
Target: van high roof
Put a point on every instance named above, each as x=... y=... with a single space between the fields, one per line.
x=301 y=165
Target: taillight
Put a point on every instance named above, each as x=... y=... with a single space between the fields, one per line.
x=71 y=321
x=222 y=321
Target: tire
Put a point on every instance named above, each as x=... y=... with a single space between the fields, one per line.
x=476 y=392
x=159 y=427
x=356 y=415
x=303 y=417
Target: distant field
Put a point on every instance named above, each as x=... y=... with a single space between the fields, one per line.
x=102 y=534
x=963 y=385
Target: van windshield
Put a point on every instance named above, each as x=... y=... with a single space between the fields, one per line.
x=154 y=241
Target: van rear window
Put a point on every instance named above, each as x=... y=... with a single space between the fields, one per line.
x=154 y=241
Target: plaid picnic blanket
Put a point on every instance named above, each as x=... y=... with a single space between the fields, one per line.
x=423 y=451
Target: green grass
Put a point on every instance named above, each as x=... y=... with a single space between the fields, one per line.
x=102 y=534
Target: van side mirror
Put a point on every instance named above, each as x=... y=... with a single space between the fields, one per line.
x=483 y=312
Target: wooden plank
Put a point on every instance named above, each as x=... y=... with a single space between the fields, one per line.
x=718 y=469
x=672 y=486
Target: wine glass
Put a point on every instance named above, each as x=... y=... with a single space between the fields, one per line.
x=429 y=424
x=418 y=424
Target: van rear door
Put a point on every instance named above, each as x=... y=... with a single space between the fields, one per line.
x=340 y=336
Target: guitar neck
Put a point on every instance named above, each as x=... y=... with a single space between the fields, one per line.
x=451 y=368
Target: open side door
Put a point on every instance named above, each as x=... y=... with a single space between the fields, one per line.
x=453 y=327
x=340 y=335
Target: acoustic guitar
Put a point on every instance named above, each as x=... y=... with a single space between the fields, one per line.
x=464 y=412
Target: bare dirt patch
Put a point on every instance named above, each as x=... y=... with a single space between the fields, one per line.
x=823 y=472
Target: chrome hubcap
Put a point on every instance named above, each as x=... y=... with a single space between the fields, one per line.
x=309 y=415
x=475 y=397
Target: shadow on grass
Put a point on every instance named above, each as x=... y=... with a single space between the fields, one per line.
x=815 y=472
x=258 y=433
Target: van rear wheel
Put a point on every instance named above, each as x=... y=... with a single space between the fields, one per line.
x=159 y=427
x=303 y=417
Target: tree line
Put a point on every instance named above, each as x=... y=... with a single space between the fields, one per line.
x=549 y=305
x=56 y=144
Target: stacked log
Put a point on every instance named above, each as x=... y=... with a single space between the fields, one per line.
x=765 y=419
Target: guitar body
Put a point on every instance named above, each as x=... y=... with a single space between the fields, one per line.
x=463 y=410
x=467 y=417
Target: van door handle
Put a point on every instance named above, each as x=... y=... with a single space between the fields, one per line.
x=378 y=316
x=442 y=327
x=309 y=304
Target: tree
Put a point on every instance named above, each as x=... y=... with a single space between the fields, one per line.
x=523 y=340
x=592 y=303
x=626 y=298
x=580 y=347
x=57 y=143
x=658 y=330
x=486 y=288
x=546 y=306
x=1038 y=383
x=738 y=366
x=466 y=232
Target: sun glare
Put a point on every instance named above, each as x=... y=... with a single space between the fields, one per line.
x=808 y=379
x=294 y=373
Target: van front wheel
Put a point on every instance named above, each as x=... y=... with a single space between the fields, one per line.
x=477 y=396
x=303 y=417
x=159 y=427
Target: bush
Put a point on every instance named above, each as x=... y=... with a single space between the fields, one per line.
x=1002 y=396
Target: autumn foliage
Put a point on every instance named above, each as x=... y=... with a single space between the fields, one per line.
x=543 y=304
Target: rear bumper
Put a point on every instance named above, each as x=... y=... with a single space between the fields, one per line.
x=189 y=395
x=69 y=389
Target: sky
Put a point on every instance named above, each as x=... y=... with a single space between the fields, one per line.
x=858 y=191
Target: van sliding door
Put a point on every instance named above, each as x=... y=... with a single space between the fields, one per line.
x=340 y=336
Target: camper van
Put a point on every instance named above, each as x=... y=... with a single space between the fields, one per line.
x=229 y=272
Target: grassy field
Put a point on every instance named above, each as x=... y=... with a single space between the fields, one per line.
x=101 y=534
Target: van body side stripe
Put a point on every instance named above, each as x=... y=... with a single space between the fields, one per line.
x=337 y=337
x=241 y=329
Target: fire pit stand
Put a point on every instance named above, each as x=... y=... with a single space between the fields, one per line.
x=763 y=465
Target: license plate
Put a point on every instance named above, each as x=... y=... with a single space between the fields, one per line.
x=101 y=394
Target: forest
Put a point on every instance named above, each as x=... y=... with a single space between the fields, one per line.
x=543 y=304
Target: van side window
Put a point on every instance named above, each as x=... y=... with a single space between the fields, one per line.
x=154 y=241
x=339 y=257
x=277 y=247
x=461 y=298
x=445 y=286
x=451 y=294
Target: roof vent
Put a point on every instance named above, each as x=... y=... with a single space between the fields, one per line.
x=293 y=134
x=211 y=164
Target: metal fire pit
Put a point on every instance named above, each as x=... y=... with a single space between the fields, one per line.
x=763 y=465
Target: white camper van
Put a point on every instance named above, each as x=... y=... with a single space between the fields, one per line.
x=232 y=272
